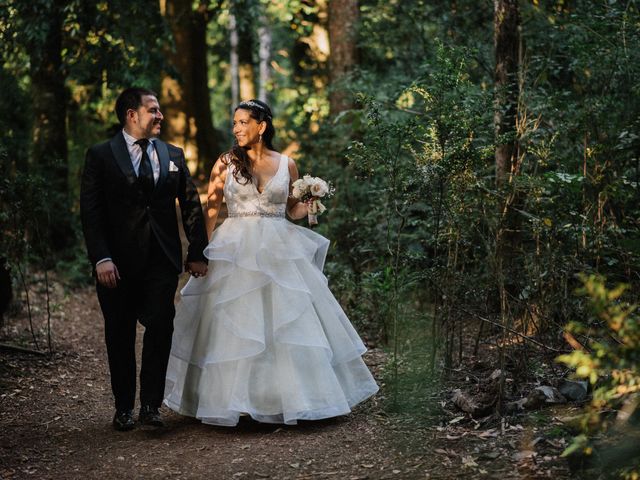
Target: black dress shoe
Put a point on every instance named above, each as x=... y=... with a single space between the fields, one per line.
x=123 y=420
x=150 y=416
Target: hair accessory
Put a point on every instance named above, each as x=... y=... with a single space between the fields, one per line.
x=252 y=104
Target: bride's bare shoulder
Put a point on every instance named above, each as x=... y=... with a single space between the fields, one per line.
x=290 y=161
x=225 y=158
x=221 y=165
x=293 y=168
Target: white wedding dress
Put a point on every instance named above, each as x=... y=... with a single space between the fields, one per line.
x=262 y=334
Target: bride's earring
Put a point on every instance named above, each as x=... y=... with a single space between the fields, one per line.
x=260 y=139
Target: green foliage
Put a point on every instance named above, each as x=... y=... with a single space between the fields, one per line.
x=399 y=198
x=611 y=363
x=15 y=124
x=104 y=41
x=23 y=199
x=417 y=208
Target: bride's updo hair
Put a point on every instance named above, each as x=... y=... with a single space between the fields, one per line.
x=261 y=112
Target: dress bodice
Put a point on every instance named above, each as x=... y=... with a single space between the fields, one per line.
x=244 y=200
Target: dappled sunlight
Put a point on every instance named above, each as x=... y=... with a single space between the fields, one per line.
x=482 y=238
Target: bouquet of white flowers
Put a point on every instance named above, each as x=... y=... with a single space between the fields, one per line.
x=310 y=190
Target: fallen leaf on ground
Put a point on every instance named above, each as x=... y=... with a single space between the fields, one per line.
x=523 y=455
x=468 y=462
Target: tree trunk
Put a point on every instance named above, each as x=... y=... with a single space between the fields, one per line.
x=49 y=127
x=206 y=138
x=264 y=33
x=343 y=17
x=185 y=100
x=241 y=59
x=506 y=42
x=234 y=62
x=6 y=289
x=508 y=241
x=245 y=67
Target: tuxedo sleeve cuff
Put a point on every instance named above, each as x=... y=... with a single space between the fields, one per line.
x=107 y=259
x=200 y=257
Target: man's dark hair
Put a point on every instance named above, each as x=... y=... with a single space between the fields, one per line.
x=131 y=98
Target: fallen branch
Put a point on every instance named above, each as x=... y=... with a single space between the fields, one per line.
x=16 y=348
x=532 y=340
x=571 y=340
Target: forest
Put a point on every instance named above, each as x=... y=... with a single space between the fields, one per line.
x=486 y=163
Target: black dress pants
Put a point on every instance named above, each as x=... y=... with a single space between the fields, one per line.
x=146 y=297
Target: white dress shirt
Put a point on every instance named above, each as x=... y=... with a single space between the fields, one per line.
x=135 y=152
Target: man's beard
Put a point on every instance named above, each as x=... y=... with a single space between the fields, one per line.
x=151 y=129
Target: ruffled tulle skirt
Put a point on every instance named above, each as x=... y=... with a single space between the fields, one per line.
x=262 y=334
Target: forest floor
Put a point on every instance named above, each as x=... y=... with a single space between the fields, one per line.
x=56 y=411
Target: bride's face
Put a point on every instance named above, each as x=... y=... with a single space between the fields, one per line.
x=246 y=129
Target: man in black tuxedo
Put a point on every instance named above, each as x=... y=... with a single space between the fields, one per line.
x=127 y=202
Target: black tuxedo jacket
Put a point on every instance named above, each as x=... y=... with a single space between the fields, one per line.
x=118 y=219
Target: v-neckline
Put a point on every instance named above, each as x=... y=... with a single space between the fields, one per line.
x=268 y=181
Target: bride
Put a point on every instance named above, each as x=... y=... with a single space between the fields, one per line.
x=261 y=334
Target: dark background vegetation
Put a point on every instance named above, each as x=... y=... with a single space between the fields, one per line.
x=486 y=159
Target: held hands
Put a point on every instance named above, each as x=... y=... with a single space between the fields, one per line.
x=197 y=269
x=107 y=274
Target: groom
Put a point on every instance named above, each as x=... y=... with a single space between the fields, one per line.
x=127 y=203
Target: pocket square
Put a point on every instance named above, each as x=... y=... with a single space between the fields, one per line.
x=172 y=167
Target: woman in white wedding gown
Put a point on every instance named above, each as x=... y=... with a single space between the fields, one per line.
x=261 y=333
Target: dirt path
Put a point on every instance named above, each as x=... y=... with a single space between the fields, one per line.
x=55 y=415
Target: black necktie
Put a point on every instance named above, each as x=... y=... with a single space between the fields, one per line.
x=145 y=172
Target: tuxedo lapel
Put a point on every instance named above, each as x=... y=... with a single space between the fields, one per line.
x=163 y=158
x=121 y=154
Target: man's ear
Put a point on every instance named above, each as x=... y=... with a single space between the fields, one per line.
x=131 y=114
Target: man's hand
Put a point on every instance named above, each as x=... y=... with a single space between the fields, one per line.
x=197 y=269
x=107 y=274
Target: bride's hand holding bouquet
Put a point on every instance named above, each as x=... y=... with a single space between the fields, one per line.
x=310 y=190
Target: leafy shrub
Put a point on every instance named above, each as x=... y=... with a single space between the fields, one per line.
x=611 y=363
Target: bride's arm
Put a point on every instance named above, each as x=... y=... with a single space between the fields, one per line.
x=215 y=194
x=295 y=208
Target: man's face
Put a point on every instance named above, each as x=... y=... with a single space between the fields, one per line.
x=145 y=121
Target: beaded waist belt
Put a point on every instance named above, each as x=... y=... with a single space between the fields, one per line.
x=256 y=214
